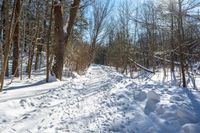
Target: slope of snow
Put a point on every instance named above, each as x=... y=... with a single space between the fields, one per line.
x=102 y=100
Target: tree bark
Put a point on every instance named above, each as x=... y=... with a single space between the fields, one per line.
x=48 y=43
x=7 y=43
x=181 y=40
x=34 y=42
x=5 y=16
x=38 y=54
x=61 y=40
x=15 y=69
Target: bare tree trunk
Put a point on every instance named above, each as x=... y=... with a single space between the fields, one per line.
x=8 y=40
x=22 y=47
x=5 y=15
x=172 y=54
x=30 y=58
x=72 y=17
x=38 y=54
x=15 y=70
x=34 y=43
x=61 y=40
x=48 y=43
x=181 y=40
x=172 y=43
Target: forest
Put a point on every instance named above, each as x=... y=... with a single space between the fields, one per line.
x=148 y=36
x=100 y=66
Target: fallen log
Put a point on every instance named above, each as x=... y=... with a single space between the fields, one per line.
x=142 y=67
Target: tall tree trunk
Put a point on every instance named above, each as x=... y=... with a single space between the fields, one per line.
x=34 y=42
x=48 y=43
x=61 y=40
x=5 y=16
x=7 y=43
x=181 y=40
x=172 y=43
x=172 y=54
x=30 y=58
x=15 y=69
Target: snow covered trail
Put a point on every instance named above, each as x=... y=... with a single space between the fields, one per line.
x=102 y=100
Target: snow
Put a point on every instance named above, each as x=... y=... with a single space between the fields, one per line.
x=101 y=100
x=191 y=128
x=152 y=95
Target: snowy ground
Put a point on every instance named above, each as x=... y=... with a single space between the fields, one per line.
x=102 y=100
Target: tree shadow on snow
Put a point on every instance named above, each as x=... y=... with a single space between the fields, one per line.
x=26 y=85
x=194 y=102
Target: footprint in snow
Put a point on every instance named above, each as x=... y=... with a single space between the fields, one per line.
x=25 y=117
x=4 y=121
x=176 y=98
x=22 y=103
x=140 y=96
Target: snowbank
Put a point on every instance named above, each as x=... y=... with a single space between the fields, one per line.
x=102 y=100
